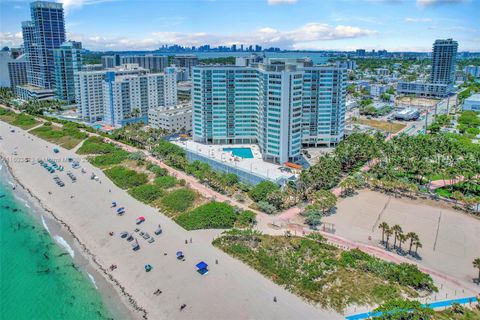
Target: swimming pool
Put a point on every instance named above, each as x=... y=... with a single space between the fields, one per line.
x=245 y=153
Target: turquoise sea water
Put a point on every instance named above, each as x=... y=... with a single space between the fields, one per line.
x=38 y=279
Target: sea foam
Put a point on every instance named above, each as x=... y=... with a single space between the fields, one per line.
x=93 y=280
x=45 y=224
x=65 y=245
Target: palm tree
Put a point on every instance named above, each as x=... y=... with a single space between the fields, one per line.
x=401 y=239
x=413 y=238
x=398 y=230
x=388 y=233
x=418 y=244
x=384 y=226
x=476 y=264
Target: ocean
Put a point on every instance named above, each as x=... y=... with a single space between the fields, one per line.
x=38 y=276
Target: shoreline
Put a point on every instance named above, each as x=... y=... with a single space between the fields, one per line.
x=130 y=306
x=230 y=290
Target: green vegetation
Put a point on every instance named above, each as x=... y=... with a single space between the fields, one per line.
x=441 y=121
x=146 y=193
x=138 y=135
x=245 y=219
x=400 y=309
x=21 y=120
x=166 y=182
x=116 y=156
x=178 y=201
x=370 y=110
x=92 y=58
x=155 y=169
x=213 y=215
x=468 y=120
x=261 y=191
x=173 y=155
x=220 y=60
x=322 y=273
x=126 y=178
x=95 y=145
x=67 y=136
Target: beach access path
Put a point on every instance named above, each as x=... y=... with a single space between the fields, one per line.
x=231 y=290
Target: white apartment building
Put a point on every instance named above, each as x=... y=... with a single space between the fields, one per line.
x=89 y=90
x=127 y=98
x=377 y=90
x=173 y=119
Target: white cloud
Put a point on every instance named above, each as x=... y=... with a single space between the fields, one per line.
x=433 y=3
x=274 y=2
x=69 y=5
x=308 y=33
x=418 y=20
x=10 y=39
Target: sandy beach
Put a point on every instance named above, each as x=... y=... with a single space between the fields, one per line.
x=231 y=290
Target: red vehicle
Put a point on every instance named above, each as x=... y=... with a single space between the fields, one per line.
x=140 y=220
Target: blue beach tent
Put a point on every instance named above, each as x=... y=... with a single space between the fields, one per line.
x=202 y=268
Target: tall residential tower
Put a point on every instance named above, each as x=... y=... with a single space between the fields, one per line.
x=68 y=61
x=443 y=62
x=279 y=104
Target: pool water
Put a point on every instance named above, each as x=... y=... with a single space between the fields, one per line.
x=245 y=153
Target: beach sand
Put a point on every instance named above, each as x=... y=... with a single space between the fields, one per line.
x=231 y=290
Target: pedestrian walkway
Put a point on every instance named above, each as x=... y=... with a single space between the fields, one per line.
x=433 y=305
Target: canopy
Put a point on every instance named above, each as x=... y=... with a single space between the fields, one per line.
x=293 y=165
x=141 y=218
x=202 y=265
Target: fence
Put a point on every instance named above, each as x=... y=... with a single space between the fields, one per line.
x=244 y=175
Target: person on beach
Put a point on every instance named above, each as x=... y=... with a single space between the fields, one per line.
x=183 y=306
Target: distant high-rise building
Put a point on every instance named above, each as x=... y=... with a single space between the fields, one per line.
x=17 y=71
x=360 y=52
x=149 y=61
x=278 y=104
x=45 y=32
x=444 y=57
x=111 y=61
x=68 y=61
x=473 y=71
x=187 y=61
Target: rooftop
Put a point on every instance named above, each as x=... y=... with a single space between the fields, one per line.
x=475 y=97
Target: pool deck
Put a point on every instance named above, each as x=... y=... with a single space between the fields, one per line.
x=256 y=165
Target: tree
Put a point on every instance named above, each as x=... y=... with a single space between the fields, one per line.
x=313 y=215
x=384 y=226
x=401 y=239
x=476 y=264
x=348 y=185
x=262 y=190
x=325 y=200
x=388 y=234
x=399 y=309
x=397 y=230
x=418 y=244
x=413 y=238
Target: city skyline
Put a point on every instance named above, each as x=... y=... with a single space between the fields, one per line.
x=110 y=25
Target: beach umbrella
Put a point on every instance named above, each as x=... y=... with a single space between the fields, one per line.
x=179 y=254
x=114 y=204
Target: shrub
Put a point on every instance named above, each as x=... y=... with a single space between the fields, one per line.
x=165 y=148
x=266 y=207
x=95 y=145
x=114 y=157
x=126 y=178
x=137 y=155
x=166 y=182
x=213 y=215
x=261 y=190
x=178 y=200
x=245 y=219
x=157 y=170
x=146 y=192
x=24 y=120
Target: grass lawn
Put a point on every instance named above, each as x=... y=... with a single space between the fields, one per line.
x=67 y=136
x=322 y=273
x=383 y=125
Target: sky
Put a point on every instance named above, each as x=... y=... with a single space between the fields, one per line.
x=394 y=25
